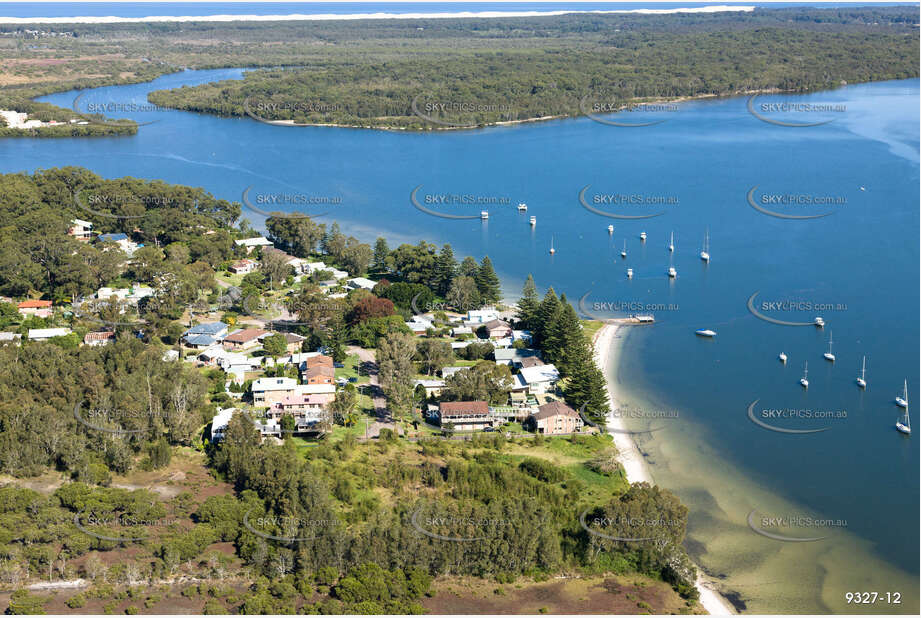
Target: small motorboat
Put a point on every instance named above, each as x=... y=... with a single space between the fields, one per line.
x=705 y=332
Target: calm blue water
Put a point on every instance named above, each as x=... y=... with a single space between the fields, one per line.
x=143 y=9
x=863 y=260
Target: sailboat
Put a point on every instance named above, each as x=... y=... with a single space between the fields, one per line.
x=828 y=355
x=705 y=254
x=671 y=242
x=902 y=401
x=862 y=380
x=804 y=380
x=904 y=424
x=552 y=250
x=623 y=253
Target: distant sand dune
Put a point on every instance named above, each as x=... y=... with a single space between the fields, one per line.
x=111 y=19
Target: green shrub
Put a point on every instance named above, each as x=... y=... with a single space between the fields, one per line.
x=75 y=602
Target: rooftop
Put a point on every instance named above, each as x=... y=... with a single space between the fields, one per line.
x=34 y=304
x=554 y=408
x=463 y=408
x=245 y=335
x=543 y=373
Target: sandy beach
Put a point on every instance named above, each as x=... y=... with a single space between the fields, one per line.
x=608 y=346
x=111 y=19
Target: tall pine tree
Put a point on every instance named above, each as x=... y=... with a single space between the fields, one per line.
x=545 y=317
x=568 y=339
x=381 y=253
x=528 y=303
x=445 y=270
x=468 y=268
x=487 y=282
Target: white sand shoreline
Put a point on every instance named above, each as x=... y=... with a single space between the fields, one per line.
x=608 y=345
x=111 y=19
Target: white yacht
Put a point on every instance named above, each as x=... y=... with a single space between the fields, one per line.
x=828 y=355
x=782 y=357
x=904 y=424
x=804 y=381
x=862 y=379
x=902 y=401
x=705 y=254
x=610 y=229
x=819 y=322
x=522 y=207
x=672 y=273
x=643 y=236
x=484 y=215
x=705 y=332
x=533 y=221
x=629 y=273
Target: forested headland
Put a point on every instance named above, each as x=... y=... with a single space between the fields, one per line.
x=369 y=73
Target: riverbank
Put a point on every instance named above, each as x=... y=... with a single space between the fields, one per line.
x=608 y=344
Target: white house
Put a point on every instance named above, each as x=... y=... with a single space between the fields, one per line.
x=10 y=338
x=540 y=379
x=252 y=243
x=124 y=243
x=360 y=282
x=269 y=391
x=222 y=419
x=243 y=267
x=129 y=295
x=339 y=274
x=312 y=267
x=419 y=324
x=219 y=423
x=432 y=387
x=481 y=316
x=447 y=371
x=81 y=230
x=44 y=334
